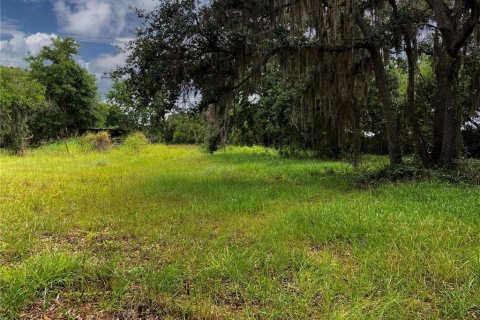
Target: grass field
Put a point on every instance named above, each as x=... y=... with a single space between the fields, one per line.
x=170 y=232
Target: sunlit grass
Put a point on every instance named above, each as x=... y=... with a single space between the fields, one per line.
x=169 y=231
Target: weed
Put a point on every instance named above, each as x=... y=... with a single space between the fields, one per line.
x=100 y=141
x=135 y=142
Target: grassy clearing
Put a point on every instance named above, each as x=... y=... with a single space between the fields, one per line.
x=171 y=232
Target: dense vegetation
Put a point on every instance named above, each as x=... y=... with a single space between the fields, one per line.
x=20 y=96
x=55 y=98
x=331 y=78
x=71 y=91
x=174 y=232
x=347 y=60
x=278 y=215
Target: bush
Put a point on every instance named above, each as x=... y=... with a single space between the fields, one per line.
x=100 y=141
x=390 y=173
x=212 y=140
x=467 y=172
x=183 y=128
x=86 y=142
x=136 y=141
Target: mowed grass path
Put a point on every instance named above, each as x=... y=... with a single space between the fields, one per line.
x=170 y=232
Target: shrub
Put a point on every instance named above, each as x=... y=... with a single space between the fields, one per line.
x=467 y=172
x=212 y=139
x=86 y=142
x=390 y=173
x=136 y=141
x=100 y=141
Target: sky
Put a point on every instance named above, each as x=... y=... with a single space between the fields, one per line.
x=99 y=26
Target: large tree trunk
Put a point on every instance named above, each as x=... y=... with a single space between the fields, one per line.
x=356 y=137
x=212 y=138
x=447 y=142
x=455 y=28
x=381 y=79
x=393 y=132
x=439 y=111
x=410 y=50
x=418 y=139
x=18 y=131
x=332 y=138
x=451 y=136
x=447 y=115
x=439 y=115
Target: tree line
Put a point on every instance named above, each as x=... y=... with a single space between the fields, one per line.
x=334 y=77
x=56 y=98
x=53 y=99
x=342 y=59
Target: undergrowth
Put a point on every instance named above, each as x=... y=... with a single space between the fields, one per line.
x=466 y=172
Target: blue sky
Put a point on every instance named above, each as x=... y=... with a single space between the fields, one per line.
x=100 y=26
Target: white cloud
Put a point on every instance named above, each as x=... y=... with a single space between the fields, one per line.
x=20 y=45
x=97 y=18
x=109 y=62
x=106 y=63
x=90 y=18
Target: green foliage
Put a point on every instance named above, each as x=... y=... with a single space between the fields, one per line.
x=129 y=112
x=425 y=95
x=43 y=273
x=124 y=112
x=100 y=141
x=71 y=91
x=136 y=142
x=184 y=128
x=466 y=172
x=102 y=112
x=87 y=142
x=389 y=173
x=46 y=275
x=373 y=120
x=18 y=88
x=212 y=139
x=267 y=118
x=20 y=96
x=156 y=50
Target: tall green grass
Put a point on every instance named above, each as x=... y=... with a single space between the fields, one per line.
x=172 y=232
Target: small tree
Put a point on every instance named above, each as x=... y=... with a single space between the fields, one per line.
x=20 y=95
